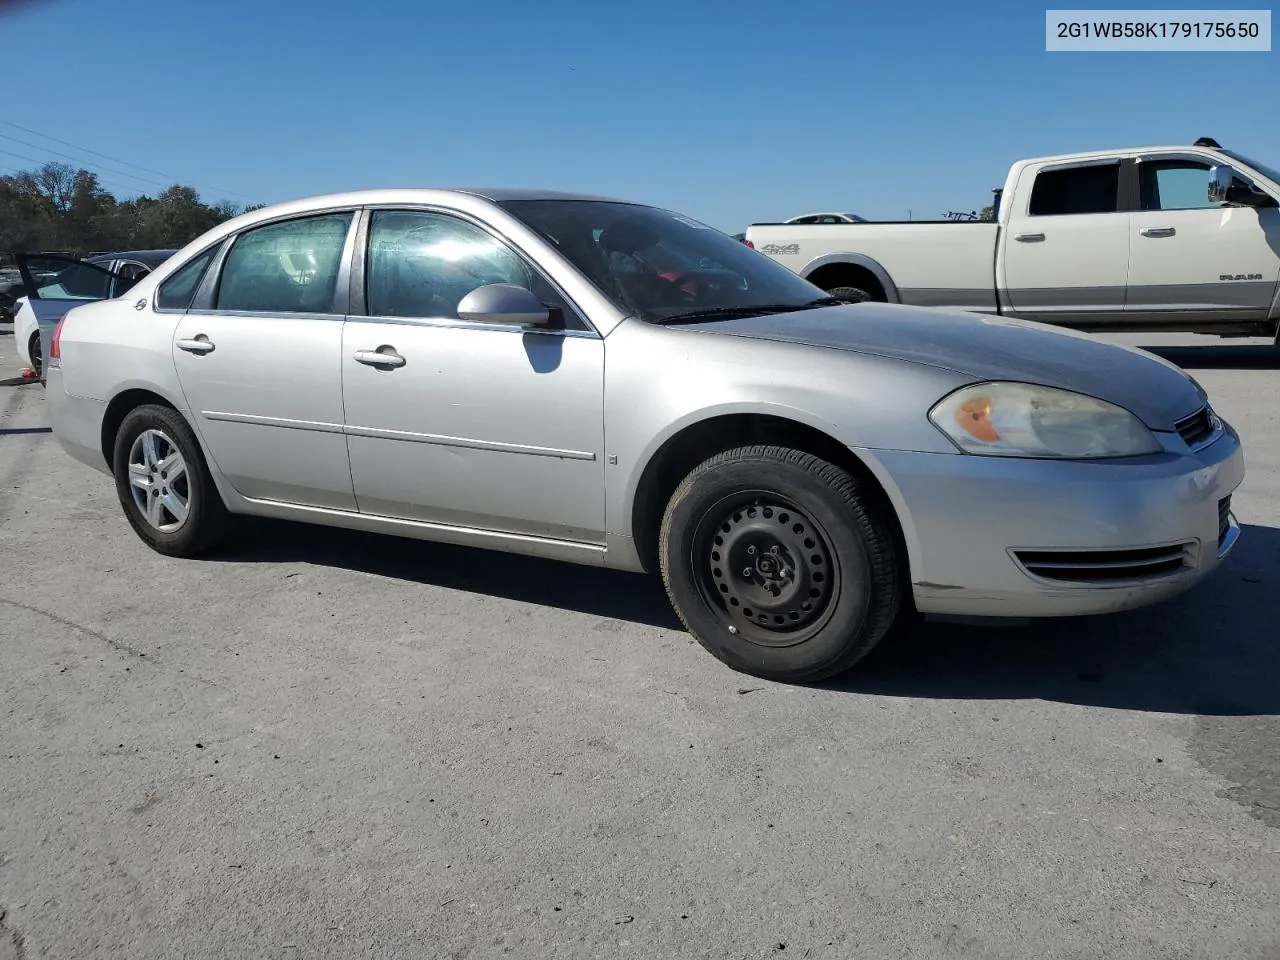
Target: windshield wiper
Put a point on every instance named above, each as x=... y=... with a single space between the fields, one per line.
x=758 y=309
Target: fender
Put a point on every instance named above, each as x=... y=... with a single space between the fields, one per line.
x=859 y=260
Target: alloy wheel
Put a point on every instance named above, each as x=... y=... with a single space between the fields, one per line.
x=159 y=482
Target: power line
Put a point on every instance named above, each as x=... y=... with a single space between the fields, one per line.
x=67 y=156
x=108 y=182
x=127 y=163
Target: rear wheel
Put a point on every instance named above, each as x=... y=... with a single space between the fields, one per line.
x=164 y=484
x=33 y=351
x=779 y=563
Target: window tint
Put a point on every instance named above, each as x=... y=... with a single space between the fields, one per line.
x=1076 y=190
x=57 y=279
x=423 y=264
x=289 y=267
x=176 y=292
x=1174 y=185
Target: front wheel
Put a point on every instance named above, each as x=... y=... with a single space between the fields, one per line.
x=780 y=563
x=164 y=484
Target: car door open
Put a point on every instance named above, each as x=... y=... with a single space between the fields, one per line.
x=54 y=284
x=462 y=408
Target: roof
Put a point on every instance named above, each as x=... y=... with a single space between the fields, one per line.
x=1091 y=154
x=151 y=257
x=501 y=194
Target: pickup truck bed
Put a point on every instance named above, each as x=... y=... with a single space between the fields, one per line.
x=906 y=264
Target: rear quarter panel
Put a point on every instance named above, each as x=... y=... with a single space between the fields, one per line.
x=108 y=347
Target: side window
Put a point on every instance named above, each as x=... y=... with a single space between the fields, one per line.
x=422 y=264
x=1093 y=189
x=289 y=267
x=1174 y=185
x=177 y=291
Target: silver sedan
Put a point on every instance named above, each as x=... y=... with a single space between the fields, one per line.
x=607 y=383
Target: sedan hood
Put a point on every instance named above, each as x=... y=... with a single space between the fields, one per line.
x=988 y=348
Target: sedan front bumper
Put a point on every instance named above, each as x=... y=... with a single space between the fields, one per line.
x=1004 y=537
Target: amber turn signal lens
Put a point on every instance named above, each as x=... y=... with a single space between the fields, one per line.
x=974 y=418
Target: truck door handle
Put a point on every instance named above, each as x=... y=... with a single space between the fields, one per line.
x=1029 y=237
x=199 y=344
x=1157 y=231
x=384 y=356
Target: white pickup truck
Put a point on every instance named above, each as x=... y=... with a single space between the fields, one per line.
x=1157 y=238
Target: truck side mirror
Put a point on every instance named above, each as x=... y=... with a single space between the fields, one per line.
x=1220 y=178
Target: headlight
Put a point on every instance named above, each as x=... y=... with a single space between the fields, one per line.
x=1024 y=420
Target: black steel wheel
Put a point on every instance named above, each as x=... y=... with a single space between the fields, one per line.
x=779 y=563
x=768 y=567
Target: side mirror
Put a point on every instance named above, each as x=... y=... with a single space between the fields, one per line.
x=506 y=304
x=1220 y=178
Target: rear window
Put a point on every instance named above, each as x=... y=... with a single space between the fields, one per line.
x=1076 y=190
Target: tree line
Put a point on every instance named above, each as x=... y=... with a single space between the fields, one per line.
x=57 y=207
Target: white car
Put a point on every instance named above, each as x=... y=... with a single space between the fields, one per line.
x=827 y=218
x=61 y=282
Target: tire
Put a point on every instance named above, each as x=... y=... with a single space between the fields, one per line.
x=828 y=595
x=854 y=294
x=206 y=521
x=37 y=360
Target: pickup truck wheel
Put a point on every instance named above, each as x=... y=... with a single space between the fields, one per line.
x=164 y=484
x=855 y=294
x=779 y=564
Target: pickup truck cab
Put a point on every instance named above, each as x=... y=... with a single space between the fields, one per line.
x=1177 y=238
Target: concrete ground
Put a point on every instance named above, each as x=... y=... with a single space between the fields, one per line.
x=321 y=744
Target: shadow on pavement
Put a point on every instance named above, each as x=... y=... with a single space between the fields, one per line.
x=604 y=593
x=1234 y=357
x=1213 y=651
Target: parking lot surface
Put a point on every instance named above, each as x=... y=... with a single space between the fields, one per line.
x=326 y=744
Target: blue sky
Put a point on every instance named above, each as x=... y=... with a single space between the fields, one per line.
x=728 y=110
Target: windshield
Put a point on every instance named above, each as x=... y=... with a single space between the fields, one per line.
x=1269 y=172
x=657 y=264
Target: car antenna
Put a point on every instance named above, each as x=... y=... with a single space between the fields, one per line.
x=1207 y=142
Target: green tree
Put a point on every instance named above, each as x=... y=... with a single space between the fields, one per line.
x=57 y=207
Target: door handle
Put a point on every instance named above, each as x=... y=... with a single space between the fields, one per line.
x=384 y=356
x=1157 y=231
x=1029 y=237
x=199 y=344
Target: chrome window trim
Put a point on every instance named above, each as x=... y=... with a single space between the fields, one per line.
x=452 y=323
